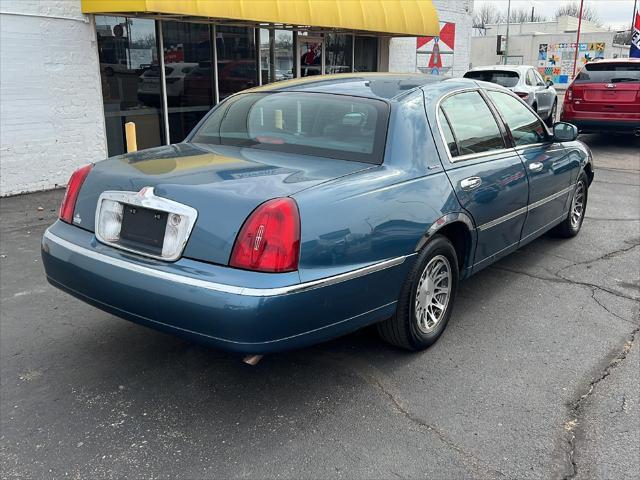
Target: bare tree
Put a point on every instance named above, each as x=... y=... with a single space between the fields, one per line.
x=572 y=9
x=524 y=14
x=486 y=14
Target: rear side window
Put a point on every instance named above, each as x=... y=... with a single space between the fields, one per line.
x=335 y=126
x=472 y=123
x=505 y=78
x=609 y=73
x=525 y=127
x=531 y=78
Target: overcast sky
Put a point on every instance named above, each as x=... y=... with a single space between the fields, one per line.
x=614 y=13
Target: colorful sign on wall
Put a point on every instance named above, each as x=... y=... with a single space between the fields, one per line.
x=634 y=50
x=434 y=55
x=555 y=60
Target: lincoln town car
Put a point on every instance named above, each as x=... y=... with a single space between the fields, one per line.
x=303 y=210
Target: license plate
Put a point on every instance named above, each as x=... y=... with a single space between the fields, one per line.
x=143 y=229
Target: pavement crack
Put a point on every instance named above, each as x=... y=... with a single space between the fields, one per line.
x=604 y=256
x=364 y=372
x=604 y=307
x=575 y=409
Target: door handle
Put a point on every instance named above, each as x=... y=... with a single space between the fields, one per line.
x=470 y=183
x=536 y=166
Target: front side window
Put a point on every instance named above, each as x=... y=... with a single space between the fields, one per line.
x=334 y=126
x=472 y=123
x=526 y=128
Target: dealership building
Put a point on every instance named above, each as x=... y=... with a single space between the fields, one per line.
x=73 y=72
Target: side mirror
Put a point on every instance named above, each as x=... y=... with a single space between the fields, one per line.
x=564 y=132
x=549 y=83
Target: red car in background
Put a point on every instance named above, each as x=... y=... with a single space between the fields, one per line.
x=605 y=96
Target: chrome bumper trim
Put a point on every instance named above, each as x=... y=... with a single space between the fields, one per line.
x=221 y=287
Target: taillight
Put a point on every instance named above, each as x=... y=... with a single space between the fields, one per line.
x=269 y=240
x=523 y=95
x=71 y=195
x=568 y=95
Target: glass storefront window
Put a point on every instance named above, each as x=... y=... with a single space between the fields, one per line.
x=276 y=55
x=128 y=52
x=310 y=51
x=237 y=62
x=189 y=75
x=365 y=54
x=338 y=49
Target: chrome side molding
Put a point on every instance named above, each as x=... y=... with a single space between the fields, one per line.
x=215 y=286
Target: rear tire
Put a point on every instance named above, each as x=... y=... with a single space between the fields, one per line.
x=426 y=299
x=571 y=225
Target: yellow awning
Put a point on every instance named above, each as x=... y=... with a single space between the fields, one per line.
x=390 y=17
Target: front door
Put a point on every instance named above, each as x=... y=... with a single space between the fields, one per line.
x=488 y=177
x=310 y=55
x=549 y=166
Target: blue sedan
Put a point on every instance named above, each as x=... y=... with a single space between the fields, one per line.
x=306 y=209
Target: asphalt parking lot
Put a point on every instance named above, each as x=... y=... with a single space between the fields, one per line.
x=535 y=377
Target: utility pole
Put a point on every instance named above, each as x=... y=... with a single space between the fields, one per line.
x=506 y=44
x=575 y=58
x=533 y=9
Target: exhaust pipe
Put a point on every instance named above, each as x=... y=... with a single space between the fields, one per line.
x=252 y=359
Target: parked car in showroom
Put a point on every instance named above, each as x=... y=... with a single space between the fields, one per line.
x=303 y=210
x=526 y=82
x=605 y=96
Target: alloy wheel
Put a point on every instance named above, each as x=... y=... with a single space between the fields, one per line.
x=577 y=206
x=432 y=293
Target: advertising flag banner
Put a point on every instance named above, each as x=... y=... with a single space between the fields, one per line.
x=635 y=38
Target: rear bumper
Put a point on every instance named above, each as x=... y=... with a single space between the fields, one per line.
x=230 y=309
x=590 y=122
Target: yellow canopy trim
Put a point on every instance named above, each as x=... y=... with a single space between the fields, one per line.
x=390 y=17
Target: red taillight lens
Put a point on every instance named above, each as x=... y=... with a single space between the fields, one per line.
x=568 y=95
x=523 y=95
x=269 y=240
x=71 y=195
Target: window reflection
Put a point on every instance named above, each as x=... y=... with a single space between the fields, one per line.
x=236 y=59
x=310 y=56
x=189 y=75
x=338 y=48
x=365 y=54
x=276 y=55
x=128 y=52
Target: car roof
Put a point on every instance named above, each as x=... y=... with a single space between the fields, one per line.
x=509 y=68
x=615 y=60
x=386 y=86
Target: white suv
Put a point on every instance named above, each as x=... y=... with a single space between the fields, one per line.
x=526 y=82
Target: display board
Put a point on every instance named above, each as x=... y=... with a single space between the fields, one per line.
x=434 y=55
x=555 y=60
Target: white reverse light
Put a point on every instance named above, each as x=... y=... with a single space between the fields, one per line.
x=110 y=221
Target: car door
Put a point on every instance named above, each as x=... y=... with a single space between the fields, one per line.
x=545 y=93
x=550 y=168
x=487 y=174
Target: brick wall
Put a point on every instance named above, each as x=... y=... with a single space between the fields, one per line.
x=402 y=51
x=51 y=104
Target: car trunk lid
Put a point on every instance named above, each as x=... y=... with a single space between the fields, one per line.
x=224 y=184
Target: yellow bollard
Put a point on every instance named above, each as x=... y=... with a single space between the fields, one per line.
x=130 y=133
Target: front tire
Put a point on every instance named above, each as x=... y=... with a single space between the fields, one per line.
x=571 y=226
x=426 y=299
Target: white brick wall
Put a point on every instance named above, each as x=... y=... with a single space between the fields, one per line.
x=51 y=116
x=402 y=51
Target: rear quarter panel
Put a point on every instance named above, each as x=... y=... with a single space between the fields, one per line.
x=380 y=213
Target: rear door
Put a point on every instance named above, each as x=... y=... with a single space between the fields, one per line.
x=608 y=87
x=550 y=169
x=487 y=175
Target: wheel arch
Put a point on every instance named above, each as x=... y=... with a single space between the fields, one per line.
x=459 y=228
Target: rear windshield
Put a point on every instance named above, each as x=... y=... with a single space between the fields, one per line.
x=335 y=126
x=609 y=73
x=501 y=77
